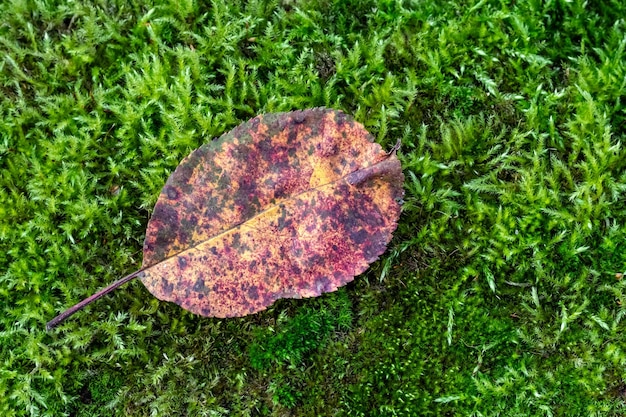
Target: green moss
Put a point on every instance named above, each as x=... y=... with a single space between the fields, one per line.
x=299 y=336
x=99 y=395
x=498 y=295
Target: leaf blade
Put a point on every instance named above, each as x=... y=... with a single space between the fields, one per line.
x=319 y=204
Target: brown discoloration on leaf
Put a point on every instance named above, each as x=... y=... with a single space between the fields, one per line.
x=285 y=205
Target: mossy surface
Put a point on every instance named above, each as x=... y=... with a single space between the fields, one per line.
x=500 y=294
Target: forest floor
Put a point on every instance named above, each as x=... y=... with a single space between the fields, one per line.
x=501 y=293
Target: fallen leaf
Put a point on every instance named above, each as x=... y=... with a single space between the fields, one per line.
x=286 y=205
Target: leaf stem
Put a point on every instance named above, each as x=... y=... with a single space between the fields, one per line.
x=79 y=306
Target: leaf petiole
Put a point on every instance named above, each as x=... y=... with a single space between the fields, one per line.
x=79 y=306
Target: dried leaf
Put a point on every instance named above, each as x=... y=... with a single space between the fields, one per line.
x=286 y=205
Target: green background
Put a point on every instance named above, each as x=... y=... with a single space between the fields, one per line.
x=498 y=295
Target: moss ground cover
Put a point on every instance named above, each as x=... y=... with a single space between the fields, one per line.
x=501 y=293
